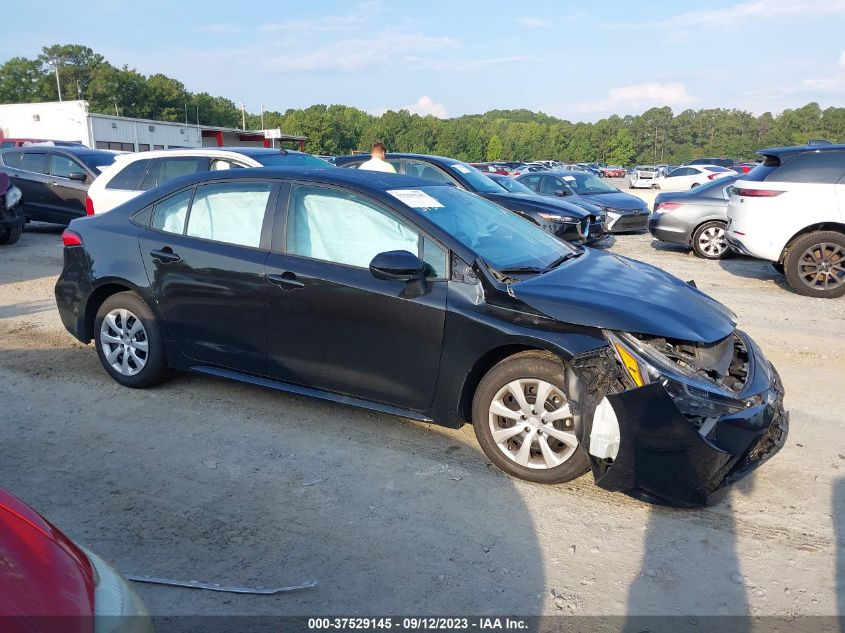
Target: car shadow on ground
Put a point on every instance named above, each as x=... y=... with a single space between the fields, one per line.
x=213 y=480
x=751 y=268
x=669 y=247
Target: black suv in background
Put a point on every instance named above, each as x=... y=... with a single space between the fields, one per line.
x=54 y=180
x=721 y=162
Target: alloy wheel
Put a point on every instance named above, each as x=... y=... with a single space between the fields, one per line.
x=712 y=241
x=124 y=342
x=532 y=424
x=822 y=266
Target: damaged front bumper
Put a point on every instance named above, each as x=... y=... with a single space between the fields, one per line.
x=666 y=448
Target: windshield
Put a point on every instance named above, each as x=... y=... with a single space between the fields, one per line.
x=477 y=181
x=502 y=238
x=587 y=184
x=291 y=160
x=97 y=160
x=512 y=185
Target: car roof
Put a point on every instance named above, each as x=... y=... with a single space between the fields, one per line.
x=210 y=152
x=66 y=149
x=426 y=157
x=795 y=149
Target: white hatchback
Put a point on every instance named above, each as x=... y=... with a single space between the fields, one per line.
x=691 y=176
x=132 y=174
x=790 y=210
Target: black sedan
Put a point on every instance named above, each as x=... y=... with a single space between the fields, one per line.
x=424 y=301
x=566 y=221
x=625 y=213
x=598 y=218
x=54 y=179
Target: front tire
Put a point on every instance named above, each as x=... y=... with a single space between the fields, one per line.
x=709 y=242
x=128 y=341
x=10 y=235
x=523 y=421
x=815 y=265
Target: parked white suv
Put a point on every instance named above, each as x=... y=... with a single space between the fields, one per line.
x=643 y=176
x=132 y=174
x=790 y=209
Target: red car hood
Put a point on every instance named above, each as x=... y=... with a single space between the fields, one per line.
x=42 y=573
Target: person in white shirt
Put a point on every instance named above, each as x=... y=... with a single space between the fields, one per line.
x=377 y=162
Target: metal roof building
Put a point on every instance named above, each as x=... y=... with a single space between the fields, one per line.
x=71 y=121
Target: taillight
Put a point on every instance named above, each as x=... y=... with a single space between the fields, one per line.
x=756 y=193
x=712 y=176
x=89 y=206
x=667 y=206
x=71 y=238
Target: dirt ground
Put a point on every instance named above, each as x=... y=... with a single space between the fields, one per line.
x=212 y=480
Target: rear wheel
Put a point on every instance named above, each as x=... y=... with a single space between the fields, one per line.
x=523 y=421
x=10 y=235
x=815 y=265
x=709 y=241
x=128 y=341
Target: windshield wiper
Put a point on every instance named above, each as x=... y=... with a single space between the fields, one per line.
x=522 y=270
x=562 y=259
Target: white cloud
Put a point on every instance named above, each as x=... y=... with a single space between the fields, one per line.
x=466 y=63
x=532 y=22
x=734 y=15
x=329 y=23
x=633 y=98
x=842 y=58
x=384 y=49
x=426 y=105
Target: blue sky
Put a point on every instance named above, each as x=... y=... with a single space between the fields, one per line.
x=576 y=60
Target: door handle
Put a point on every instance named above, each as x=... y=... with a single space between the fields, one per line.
x=165 y=255
x=287 y=280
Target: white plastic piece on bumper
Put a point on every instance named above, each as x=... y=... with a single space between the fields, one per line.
x=604 y=438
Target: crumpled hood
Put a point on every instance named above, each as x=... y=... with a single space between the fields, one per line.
x=604 y=290
x=526 y=201
x=622 y=201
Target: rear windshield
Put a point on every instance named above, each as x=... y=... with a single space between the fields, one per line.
x=763 y=170
x=291 y=160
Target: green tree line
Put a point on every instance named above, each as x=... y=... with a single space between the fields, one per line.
x=657 y=135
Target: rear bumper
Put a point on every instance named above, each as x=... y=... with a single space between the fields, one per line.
x=72 y=291
x=665 y=230
x=667 y=456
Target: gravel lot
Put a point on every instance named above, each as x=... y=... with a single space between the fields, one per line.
x=206 y=479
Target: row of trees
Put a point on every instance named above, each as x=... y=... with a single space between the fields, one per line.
x=657 y=135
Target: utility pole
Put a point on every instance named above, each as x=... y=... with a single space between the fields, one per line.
x=58 y=83
x=243 y=115
x=262 y=116
x=186 y=114
x=78 y=91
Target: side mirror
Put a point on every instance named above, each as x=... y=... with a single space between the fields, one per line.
x=562 y=193
x=78 y=176
x=397 y=266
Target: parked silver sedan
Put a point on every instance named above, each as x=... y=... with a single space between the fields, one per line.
x=695 y=218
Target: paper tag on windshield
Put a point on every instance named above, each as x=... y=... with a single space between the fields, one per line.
x=461 y=168
x=569 y=178
x=415 y=198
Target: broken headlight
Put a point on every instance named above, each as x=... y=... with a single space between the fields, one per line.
x=692 y=394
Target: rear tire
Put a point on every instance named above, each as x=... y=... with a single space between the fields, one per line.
x=815 y=265
x=506 y=415
x=128 y=341
x=708 y=241
x=11 y=235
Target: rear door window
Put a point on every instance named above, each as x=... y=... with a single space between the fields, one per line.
x=34 y=162
x=11 y=159
x=169 y=215
x=129 y=177
x=231 y=212
x=165 y=169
